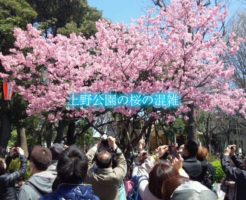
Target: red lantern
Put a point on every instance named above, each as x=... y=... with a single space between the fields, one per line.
x=7 y=91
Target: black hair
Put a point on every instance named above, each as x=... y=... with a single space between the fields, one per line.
x=72 y=166
x=103 y=159
x=192 y=148
x=56 y=150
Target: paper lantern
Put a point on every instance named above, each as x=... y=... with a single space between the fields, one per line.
x=7 y=91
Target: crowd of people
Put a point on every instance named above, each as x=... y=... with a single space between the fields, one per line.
x=168 y=173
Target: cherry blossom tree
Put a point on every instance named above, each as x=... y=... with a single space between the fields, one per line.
x=176 y=49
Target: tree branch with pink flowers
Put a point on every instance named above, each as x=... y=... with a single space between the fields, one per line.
x=179 y=49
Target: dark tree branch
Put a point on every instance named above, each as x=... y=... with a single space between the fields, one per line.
x=160 y=3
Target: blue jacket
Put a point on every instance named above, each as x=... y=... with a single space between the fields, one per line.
x=7 y=181
x=72 y=192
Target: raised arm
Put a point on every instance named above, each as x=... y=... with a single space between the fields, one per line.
x=121 y=167
x=235 y=173
x=10 y=178
x=234 y=157
x=90 y=155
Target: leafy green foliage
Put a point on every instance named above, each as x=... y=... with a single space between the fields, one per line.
x=52 y=16
x=13 y=139
x=219 y=173
x=65 y=17
x=179 y=125
x=13 y=13
x=18 y=108
x=15 y=166
x=88 y=138
x=175 y=128
x=85 y=137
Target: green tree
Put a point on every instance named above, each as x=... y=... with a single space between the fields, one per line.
x=53 y=16
x=13 y=13
x=65 y=16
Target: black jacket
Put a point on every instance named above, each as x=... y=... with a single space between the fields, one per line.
x=193 y=168
x=208 y=174
x=236 y=174
x=7 y=181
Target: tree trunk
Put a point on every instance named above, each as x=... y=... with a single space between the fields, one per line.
x=145 y=127
x=147 y=136
x=60 y=131
x=207 y=130
x=22 y=140
x=48 y=135
x=71 y=133
x=191 y=127
x=124 y=135
x=5 y=129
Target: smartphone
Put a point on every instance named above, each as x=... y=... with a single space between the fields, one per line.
x=233 y=146
x=14 y=152
x=173 y=151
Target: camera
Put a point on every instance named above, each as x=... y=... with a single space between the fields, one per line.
x=104 y=140
x=233 y=147
x=171 y=153
x=104 y=145
x=15 y=153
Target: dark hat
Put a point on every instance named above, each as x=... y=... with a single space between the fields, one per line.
x=56 y=150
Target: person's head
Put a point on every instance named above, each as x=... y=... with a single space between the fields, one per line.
x=190 y=149
x=56 y=150
x=40 y=159
x=72 y=166
x=170 y=184
x=202 y=153
x=103 y=159
x=161 y=171
x=2 y=166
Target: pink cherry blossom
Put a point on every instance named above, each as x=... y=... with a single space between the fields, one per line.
x=179 y=50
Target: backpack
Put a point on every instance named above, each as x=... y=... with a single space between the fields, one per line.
x=134 y=193
x=207 y=176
